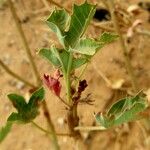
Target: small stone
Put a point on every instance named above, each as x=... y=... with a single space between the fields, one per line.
x=25 y=61
x=134 y=9
x=64 y=140
x=60 y=121
x=12 y=82
x=11 y=43
x=6 y=59
x=7 y=107
x=20 y=85
x=85 y=135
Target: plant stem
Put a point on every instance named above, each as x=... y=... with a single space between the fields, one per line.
x=108 y=82
x=40 y=128
x=63 y=101
x=80 y=75
x=68 y=80
x=24 y=40
x=102 y=27
x=28 y=51
x=47 y=132
x=90 y=128
x=122 y=43
x=73 y=121
x=51 y=126
x=15 y=75
x=143 y=32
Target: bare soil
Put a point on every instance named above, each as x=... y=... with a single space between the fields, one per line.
x=109 y=61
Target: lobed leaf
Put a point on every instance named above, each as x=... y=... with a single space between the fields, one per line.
x=80 y=20
x=50 y=56
x=77 y=62
x=26 y=112
x=5 y=130
x=125 y=110
x=86 y=46
x=17 y=101
x=58 y=22
x=36 y=97
x=15 y=117
x=69 y=35
x=60 y=57
x=117 y=107
x=107 y=38
x=131 y=114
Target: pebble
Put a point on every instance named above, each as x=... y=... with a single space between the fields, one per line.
x=11 y=43
x=85 y=135
x=20 y=85
x=7 y=107
x=12 y=82
x=60 y=121
x=65 y=139
x=6 y=59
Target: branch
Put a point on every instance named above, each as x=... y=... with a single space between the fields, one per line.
x=10 y=72
x=122 y=44
x=90 y=128
x=143 y=32
x=51 y=126
x=24 y=41
x=64 y=102
x=47 y=132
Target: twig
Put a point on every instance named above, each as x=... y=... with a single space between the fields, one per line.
x=122 y=43
x=24 y=41
x=46 y=4
x=90 y=128
x=51 y=126
x=64 y=102
x=102 y=27
x=143 y=32
x=47 y=132
x=108 y=82
x=10 y=72
x=105 y=3
x=58 y=5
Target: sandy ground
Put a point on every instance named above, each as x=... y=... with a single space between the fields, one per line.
x=109 y=60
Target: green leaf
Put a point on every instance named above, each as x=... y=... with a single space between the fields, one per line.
x=17 y=101
x=78 y=62
x=58 y=22
x=131 y=114
x=36 y=97
x=5 y=130
x=87 y=46
x=123 y=104
x=59 y=57
x=15 y=117
x=50 y=56
x=117 y=107
x=104 y=120
x=80 y=19
x=107 y=38
x=64 y=58
x=26 y=112
x=125 y=110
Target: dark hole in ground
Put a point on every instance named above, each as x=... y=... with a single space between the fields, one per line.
x=102 y=14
